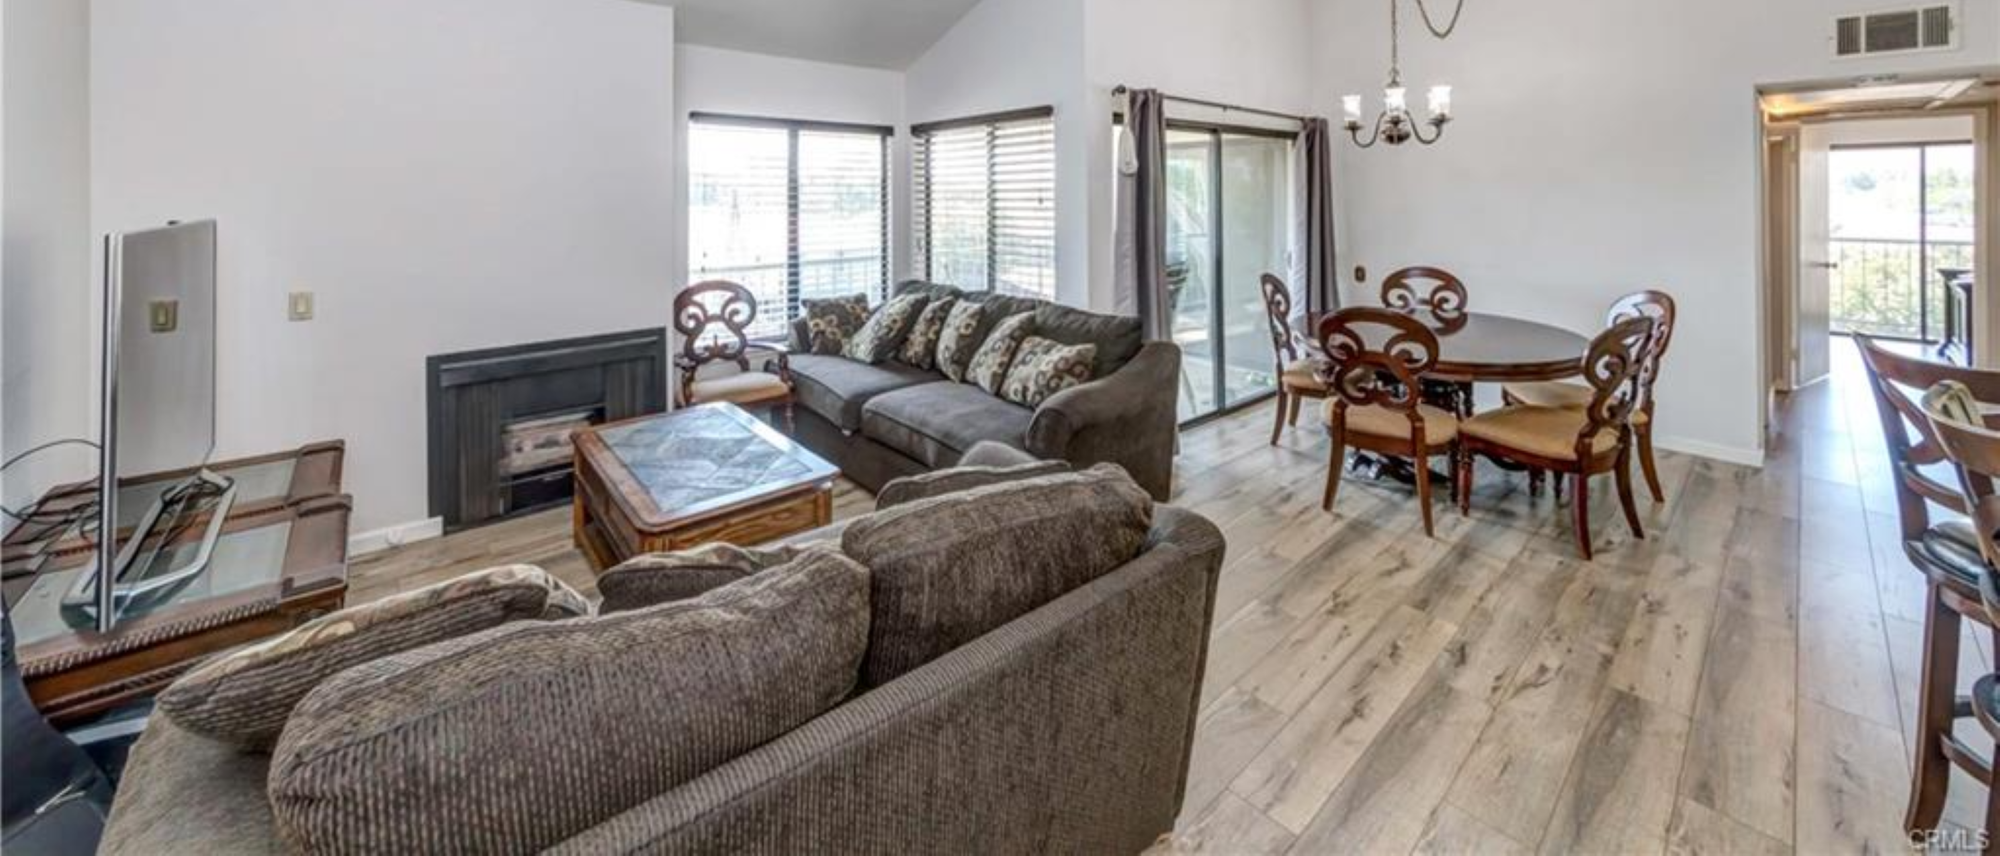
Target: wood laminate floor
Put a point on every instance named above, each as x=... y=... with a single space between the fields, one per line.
x=1741 y=681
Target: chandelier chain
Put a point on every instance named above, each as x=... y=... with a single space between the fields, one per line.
x=1448 y=28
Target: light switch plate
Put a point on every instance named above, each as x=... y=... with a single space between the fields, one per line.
x=163 y=316
x=299 y=306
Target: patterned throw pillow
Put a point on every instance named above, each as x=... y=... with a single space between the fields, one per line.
x=920 y=347
x=885 y=329
x=989 y=366
x=245 y=697
x=1043 y=367
x=831 y=323
x=955 y=343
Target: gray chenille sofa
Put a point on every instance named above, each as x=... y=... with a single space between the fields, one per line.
x=879 y=422
x=1064 y=730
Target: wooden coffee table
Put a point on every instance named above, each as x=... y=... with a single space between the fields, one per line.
x=700 y=474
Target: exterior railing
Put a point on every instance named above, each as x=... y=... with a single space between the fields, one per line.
x=1890 y=287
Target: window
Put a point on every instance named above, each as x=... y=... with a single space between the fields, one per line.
x=984 y=203
x=791 y=210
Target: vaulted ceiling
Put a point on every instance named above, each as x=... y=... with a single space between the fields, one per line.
x=880 y=33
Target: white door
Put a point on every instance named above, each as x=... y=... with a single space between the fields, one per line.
x=1813 y=312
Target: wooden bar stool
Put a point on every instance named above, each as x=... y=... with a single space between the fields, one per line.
x=1948 y=554
x=1974 y=449
x=1298 y=378
x=699 y=310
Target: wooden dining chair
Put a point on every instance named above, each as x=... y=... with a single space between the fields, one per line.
x=1376 y=359
x=1298 y=377
x=1657 y=305
x=1442 y=296
x=713 y=319
x=1428 y=289
x=1946 y=552
x=1973 y=449
x=1578 y=443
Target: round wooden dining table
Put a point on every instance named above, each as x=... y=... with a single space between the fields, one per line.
x=1481 y=347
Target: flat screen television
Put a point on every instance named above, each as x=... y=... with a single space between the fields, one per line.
x=157 y=416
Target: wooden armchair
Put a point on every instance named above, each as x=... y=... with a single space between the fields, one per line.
x=711 y=318
x=1946 y=552
x=1376 y=359
x=1298 y=377
x=1657 y=305
x=1577 y=443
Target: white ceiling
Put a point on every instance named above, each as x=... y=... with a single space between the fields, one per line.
x=879 y=33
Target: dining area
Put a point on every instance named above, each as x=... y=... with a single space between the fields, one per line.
x=1397 y=384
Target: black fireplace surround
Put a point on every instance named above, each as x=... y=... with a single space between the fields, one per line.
x=498 y=417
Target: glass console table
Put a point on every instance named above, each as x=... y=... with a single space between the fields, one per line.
x=281 y=560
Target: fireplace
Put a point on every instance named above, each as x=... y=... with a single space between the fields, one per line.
x=501 y=419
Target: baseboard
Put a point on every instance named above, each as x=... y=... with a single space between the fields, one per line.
x=1711 y=451
x=377 y=540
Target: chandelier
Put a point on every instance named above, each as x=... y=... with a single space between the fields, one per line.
x=1394 y=125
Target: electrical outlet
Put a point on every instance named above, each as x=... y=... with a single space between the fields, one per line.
x=163 y=316
x=299 y=307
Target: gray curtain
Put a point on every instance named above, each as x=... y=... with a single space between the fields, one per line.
x=1141 y=279
x=1313 y=273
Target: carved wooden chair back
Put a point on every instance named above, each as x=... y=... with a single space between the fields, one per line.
x=1377 y=357
x=1659 y=306
x=1426 y=289
x=1897 y=382
x=1278 y=313
x=702 y=308
x=1612 y=367
x=1957 y=421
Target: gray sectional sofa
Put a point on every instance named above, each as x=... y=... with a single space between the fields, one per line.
x=880 y=422
x=1064 y=729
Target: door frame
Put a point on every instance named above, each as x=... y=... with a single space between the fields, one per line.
x=1218 y=379
x=1780 y=223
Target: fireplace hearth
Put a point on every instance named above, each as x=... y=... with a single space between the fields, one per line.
x=501 y=419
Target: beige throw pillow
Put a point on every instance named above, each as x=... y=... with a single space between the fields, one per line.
x=989 y=366
x=245 y=697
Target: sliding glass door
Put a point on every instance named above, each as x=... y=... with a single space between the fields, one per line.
x=1228 y=223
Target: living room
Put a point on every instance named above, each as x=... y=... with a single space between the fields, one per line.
x=1225 y=452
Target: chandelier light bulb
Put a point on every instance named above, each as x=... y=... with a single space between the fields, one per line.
x=1351 y=106
x=1440 y=98
x=1395 y=99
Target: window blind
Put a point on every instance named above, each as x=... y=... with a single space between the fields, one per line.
x=790 y=210
x=984 y=202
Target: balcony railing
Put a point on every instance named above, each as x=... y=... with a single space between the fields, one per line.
x=1887 y=287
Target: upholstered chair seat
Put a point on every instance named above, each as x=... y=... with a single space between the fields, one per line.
x=1549 y=432
x=1951 y=549
x=1375 y=420
x=743 y=388
x=1571 y=396
x=1303 y=376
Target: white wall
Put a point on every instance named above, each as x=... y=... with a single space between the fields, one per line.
x=444 y=174
x=1010 y=54
x=716 y=80
x=1599 y=148
x=45 y=242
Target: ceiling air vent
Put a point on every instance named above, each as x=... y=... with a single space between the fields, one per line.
x=1894 y=31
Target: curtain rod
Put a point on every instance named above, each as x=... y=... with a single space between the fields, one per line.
x=1122 y=90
